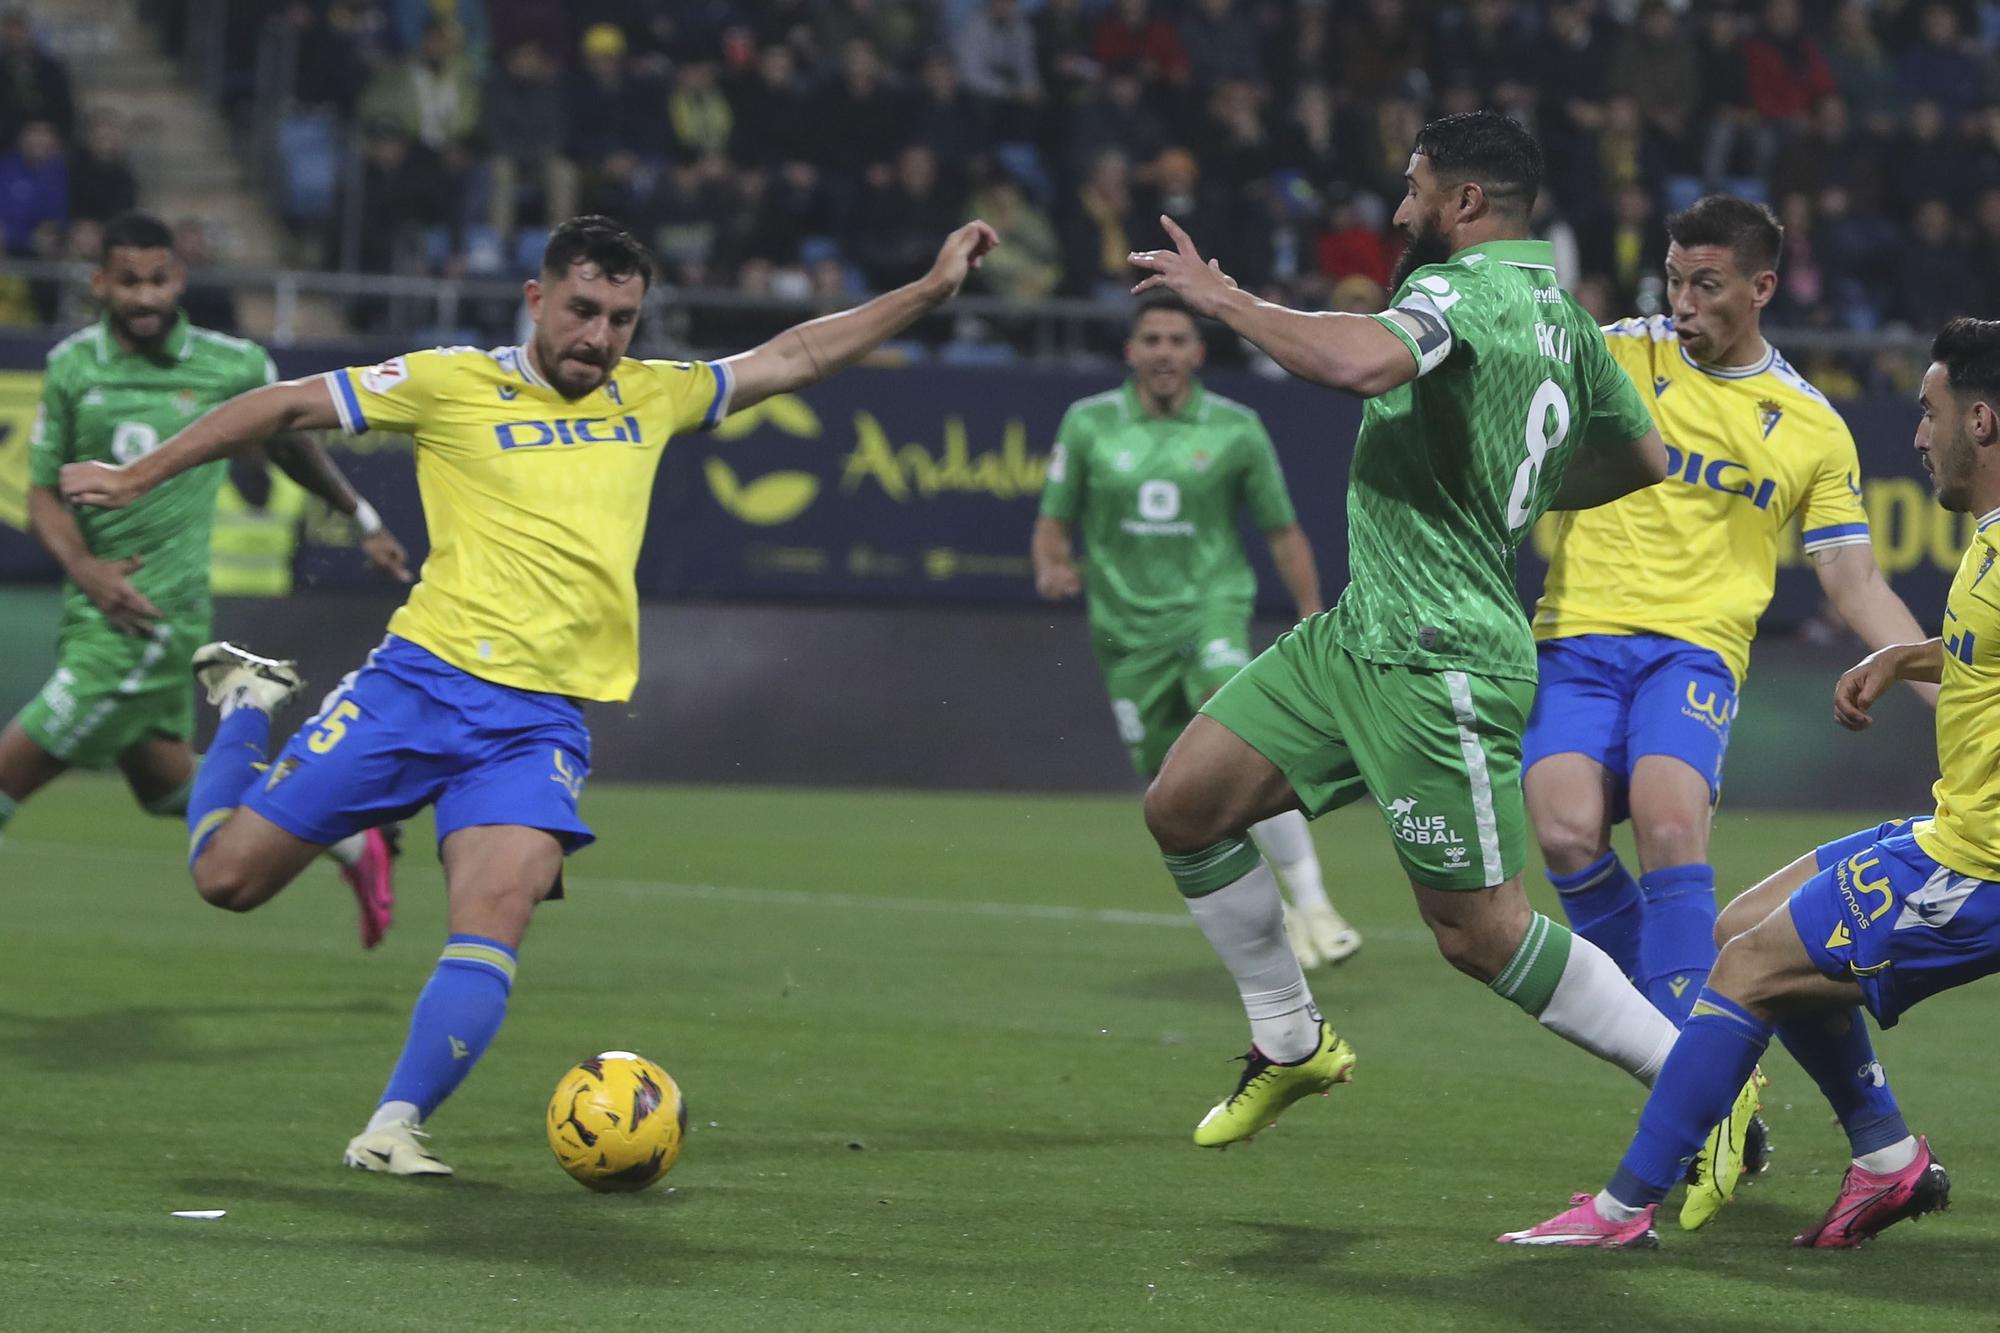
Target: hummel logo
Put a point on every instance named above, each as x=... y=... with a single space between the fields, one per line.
x=459 y=1050
x=508 y=393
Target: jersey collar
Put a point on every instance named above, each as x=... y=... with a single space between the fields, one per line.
x=1987 y=520
x=1191 y=410
x=1518 y=253
x=1757 y=367
x=175 y=345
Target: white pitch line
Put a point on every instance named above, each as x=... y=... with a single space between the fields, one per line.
x=765 y=897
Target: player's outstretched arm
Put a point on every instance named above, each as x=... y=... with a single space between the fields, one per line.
x=302 y=458
x=107 y=583
x=1598 y=475
x=1867 y=680
x=1341 y=351
x=1055 y=561
x=247 y=419
x=1864 y=600
x=809 y=352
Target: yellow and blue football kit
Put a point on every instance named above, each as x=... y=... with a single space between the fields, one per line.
x=1645 y=623
x=1912 y=907
x=536 y=506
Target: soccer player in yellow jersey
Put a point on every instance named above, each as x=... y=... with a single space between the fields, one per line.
x=1878 y=920
x=1645 y=624
x=536 y=465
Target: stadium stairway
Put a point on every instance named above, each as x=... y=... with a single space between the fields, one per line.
x=182 y=151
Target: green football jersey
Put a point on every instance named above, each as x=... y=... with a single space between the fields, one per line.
x=1156 y=499
x=103 y=404
x=1452 y=469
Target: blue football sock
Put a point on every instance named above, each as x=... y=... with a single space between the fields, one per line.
x=455 y=1020
x=1603 y=905
x=226 y=772
x=1677 y=941
x=1837 y=1051
x=1711 y=1061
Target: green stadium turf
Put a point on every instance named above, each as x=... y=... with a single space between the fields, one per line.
x=942 y=1053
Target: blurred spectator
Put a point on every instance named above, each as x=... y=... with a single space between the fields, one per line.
x=1805 y=287
x=1062 y=50
x=34 y=191
x=1931 y=284
x=946 y=119
x=1925 y=162
x=1233 y=141
x=1098 y=229
x=1376 y=48
x=1657 y=67
x=860 y=119
x=1117 y=119
x=1485 y=48
x=523 y=109
x=1863 y=69
x=1352 y=245
x=996 y=55
x=1594 y=294
x=609 y=110
x=1829 y=154
x=1131 y=37
x=1986 y=249
x=1221 y=42
x=1625 y=155
x=896 y=230
x=1356 y=294
x=101 y=185
x=901 y=30
x=774 y=112
x=209 y=305
x=1028 y=264
x=1304 y=141
x=402 y=192
x=1785 y=67
x=698 y=112
x=33 y=83
x=1629 y=250
x=1936 y=65
x=431 y=97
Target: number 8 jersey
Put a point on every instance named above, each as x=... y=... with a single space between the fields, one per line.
x=1452 y=469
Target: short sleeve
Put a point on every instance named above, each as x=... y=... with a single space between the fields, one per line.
x=51 y=437
x=1062 y=492
x=1421 y=317
x=259 y=371
x=393 y=396
x=1832 y=514
x=698 y=391
x=1264 y=489
x=1618 y=413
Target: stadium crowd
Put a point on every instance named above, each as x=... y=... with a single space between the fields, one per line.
x=819 y=147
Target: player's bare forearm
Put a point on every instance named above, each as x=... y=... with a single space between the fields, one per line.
x=1054 y=559
x=301 y=458
x=1292 y=553
x=55 y=527
x=1338 y=350
x=1596 y=477
x=245 y=420
x=809 y=352
x=1866 y=603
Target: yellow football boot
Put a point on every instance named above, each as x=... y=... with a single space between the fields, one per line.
x=1267 y=1089
x=1713 y=1176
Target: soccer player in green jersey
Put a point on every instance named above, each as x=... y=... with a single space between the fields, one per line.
x=136 y=597
x=1155 y=472
x=1491 y=399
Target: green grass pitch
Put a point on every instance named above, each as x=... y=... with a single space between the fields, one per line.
x=942 y=1053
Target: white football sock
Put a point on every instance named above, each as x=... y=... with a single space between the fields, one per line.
x=1245 y=923
x=393 y=1113
x=1598 y=1009
x=348 y=850
x=1887 y=1161
x=1286 y=841
x=1611 y=1210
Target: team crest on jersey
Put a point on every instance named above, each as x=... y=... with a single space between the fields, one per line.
x=1768 y=413
x=383 y=378
x=1661 y=384
x=184 y=400
x=1125 y=461
x=1200 y=459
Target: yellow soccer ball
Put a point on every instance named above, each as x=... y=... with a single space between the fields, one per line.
x=616 y=1122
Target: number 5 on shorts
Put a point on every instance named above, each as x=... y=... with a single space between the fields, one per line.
x=333 y=727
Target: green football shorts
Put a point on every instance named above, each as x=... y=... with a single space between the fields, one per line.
x=1440 y=751
x=111 y=690
x=1155 y=690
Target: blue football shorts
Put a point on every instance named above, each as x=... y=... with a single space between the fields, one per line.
x=409 y=730
x=1619 y=697
x=1882 y=914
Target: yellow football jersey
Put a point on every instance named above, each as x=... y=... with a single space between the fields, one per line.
x=1696 y=557
x=536 y=505
x=1965 y=835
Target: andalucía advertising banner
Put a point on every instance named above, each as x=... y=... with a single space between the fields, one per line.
x=922 y=483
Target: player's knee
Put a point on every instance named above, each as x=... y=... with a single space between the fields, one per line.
x=1740 y=915
x=227 y=881
x=1470 y=949
x=1569 y=843
x=1179 y=824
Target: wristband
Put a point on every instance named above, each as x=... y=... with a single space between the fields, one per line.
x=366 y=518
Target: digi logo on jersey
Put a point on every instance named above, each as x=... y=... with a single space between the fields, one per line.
x=1719 y=474
x=567 y=430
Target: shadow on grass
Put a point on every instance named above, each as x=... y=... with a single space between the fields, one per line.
x=154 y=1034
